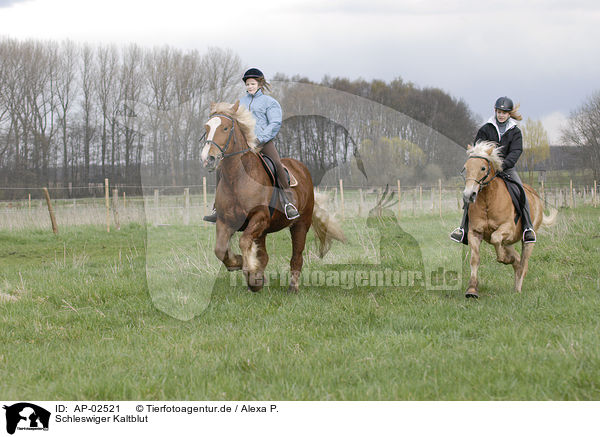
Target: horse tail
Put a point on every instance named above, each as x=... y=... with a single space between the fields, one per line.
x=549 y=220
x=325 y=226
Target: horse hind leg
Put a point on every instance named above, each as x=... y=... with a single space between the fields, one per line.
x=523 y=266
x=298 y=231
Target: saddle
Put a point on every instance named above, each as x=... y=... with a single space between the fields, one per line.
x=517 y=194
x=269 y=166
x=272 y=173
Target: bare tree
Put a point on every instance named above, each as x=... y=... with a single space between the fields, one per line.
x=536 y=146
x=583 y=130
x=130 y=114
x=221 y=72
x=65 y=92
x=107 y=67
x=87 y=87
x=158 y=66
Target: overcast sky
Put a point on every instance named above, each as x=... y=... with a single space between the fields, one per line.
x=543 y=54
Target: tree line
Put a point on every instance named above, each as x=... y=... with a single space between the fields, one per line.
x=74 y=114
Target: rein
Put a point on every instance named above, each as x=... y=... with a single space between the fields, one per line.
x=223 y=149
x=480 y=181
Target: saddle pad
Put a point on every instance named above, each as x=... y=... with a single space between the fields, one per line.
x=515 y=194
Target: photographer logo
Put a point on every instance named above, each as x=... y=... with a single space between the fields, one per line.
x=26 y=417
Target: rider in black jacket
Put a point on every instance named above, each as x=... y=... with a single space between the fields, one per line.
x=502 y=129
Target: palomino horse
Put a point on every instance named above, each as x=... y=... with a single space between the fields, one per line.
x=492 y=213
x=243 y=194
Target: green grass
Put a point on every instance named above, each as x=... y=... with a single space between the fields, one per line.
x=81 y=320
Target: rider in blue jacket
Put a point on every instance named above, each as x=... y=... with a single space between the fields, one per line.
x=267 y=112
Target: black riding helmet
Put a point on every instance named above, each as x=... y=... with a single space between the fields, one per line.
x=504 y=104
x=253 y=73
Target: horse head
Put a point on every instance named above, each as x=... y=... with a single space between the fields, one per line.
x=220 y=138
x=482 y=165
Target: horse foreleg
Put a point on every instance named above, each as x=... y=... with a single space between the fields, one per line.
x=298 y=231
x=474 y=243
x=250 y=244
x=222 y=249
x=521 y=270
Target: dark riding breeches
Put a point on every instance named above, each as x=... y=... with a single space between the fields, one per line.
x=269 y=150
x=525 y=216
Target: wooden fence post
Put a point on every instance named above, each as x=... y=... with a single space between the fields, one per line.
x=360 y=202
x=186 y=206
x=335 y=197
x=124 y=200
x=342 y=197
x=205 y=201
x=432 y=198
x=544 y=195
x=399 y=199
x=29 y=204
x=51 y=211
x=595 y=194
x=115 y=205
x=106 y=201
x=440 y=195
x=421 y=198
x=571 y=199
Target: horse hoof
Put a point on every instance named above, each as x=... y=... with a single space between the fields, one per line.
x=292 y=290
x=471 y=294
x=255 y=281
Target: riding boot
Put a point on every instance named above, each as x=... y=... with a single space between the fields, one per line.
x=212 y=217
x=460 y=234
x=528 y=232
x=285 y=194
x=290 y=210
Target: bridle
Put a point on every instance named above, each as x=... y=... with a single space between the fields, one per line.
x=223 y=149
x=480 y=182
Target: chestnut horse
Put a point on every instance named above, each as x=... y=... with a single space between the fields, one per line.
x=243 y=195
x=492 y=213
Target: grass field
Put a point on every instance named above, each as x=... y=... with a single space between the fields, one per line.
x=81 y=319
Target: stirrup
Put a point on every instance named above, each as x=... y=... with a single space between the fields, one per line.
x=458 y=235
x=530 y=238
x=293 y=214
x=212 y=218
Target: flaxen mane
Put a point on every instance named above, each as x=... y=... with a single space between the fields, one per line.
x=244 y=118
x=482 y=148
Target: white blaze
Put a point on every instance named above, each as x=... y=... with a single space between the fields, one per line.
x=213 y=124
x=253 y=262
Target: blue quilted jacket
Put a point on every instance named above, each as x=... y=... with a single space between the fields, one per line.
x=266 y=111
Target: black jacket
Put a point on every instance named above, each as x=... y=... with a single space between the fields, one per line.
x=511 y=144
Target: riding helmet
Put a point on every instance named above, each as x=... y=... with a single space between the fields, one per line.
x=504 y=104
x=253 y=73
